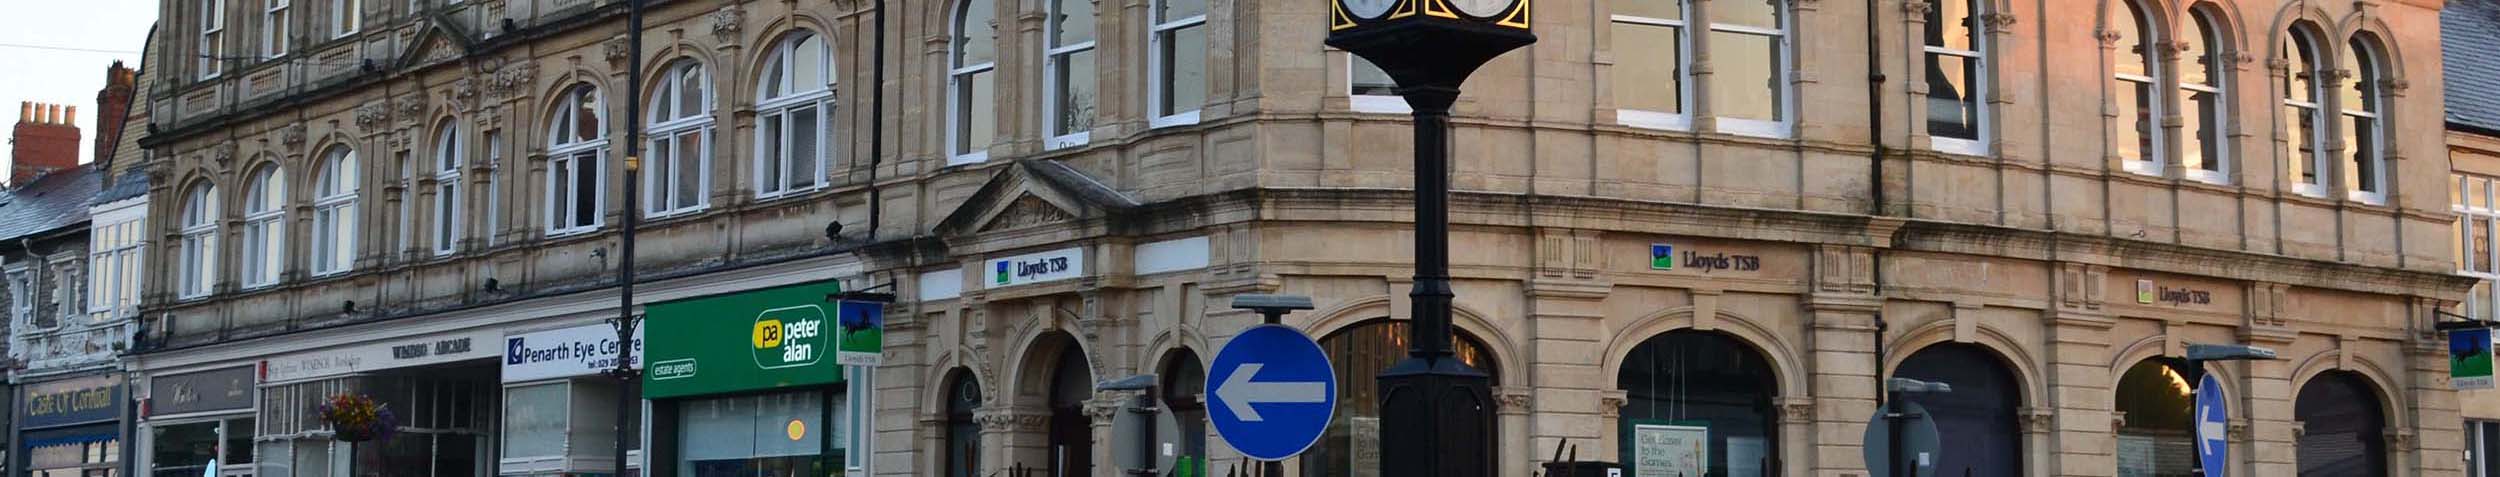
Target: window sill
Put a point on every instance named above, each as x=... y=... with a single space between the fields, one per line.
x=773 y=196
x=332 y=273
x=2142 y=168
x=971 y=158
x=2365 y=197
x=559 y=233
x=1951 y=145
x=1754 y=128
x=1654 y=120
x=2209 y=177
x=663 y=214
x=2310 y=190
x=1176 y=120
x=1372 y=103
x=1068 y=141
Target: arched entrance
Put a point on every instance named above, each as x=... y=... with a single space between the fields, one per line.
x=1976 y=421
x=1071 y=431
x=2341 y=424
x=963 y=435
x=1360 y=352
x=1688 y=384
x=1184 y=380
x=2155 y=439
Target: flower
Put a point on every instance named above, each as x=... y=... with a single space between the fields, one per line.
x=356 y=417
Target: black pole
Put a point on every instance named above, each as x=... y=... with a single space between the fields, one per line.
x=628 y=401
x=876 y=120
x=1441 y=404
x=1893 y=420
x=2196 y=382
x=1430 y=334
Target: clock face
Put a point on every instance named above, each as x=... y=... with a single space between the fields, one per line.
x=1368 y=9
x=1483 y=8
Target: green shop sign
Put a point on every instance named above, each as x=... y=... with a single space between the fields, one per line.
x=760 y=339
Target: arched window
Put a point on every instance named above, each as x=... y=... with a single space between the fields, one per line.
x=1349 y=446
x=1749 y=66
x=2304 y=111
x=200 y=213
x=1183 y=387
x=1071 y=431
x=264 y=226
x=679 y=178
x=576 y=147
x=1705 y=386
x=2154 y=436
x=334 y=212
x=2365 y=135
x=1177 y=61
x=1976 y=420
x=2343 y=428
x=1068 y=58
x=2205 y=98
x=2135 y=136
x=447 y=162
x=963 y=435
x=793 y=110
x=1651 y=50
x=971 y=116
x=1957 y=70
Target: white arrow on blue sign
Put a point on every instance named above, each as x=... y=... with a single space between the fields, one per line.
x=2213 y=427
x=1271 y=392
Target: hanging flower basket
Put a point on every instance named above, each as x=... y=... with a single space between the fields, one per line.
x=358 y=418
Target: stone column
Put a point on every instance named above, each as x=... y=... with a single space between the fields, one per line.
x=2274 y=435
x=1841 y=312
x=1564 y=355
x=2433 y=443
x=1012 y=437
x=1104 y=407
x=2081 y=436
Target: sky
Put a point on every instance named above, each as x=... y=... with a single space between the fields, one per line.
x=55 y=51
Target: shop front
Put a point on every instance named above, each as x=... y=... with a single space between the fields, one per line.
x=441 y=389
x=745 y=385
x=559 y=410
x=71 y=427
x=200 y=424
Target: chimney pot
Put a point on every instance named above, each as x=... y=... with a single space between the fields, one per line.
x=53 y=116
x=69 y=116
x=25 y=111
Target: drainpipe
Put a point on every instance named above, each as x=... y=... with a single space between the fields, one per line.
x=876 y=122
x=1875 y=134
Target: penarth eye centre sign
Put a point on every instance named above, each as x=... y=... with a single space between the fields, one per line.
x=757 y=339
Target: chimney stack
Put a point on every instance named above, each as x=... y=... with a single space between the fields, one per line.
x=112 y=111
x=44 y=141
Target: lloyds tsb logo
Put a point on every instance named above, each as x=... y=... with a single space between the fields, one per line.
x=788 y=337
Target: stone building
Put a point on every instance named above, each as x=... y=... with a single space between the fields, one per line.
x=1660 y=228
x=2470 y=45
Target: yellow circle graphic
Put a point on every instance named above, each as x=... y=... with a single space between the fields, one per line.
x=797 y=429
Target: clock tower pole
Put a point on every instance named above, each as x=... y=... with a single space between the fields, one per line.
x=1441 y=406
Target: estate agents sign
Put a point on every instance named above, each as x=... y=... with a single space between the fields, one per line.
x=760 y=339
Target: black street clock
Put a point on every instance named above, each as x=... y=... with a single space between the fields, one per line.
x=1429 y=42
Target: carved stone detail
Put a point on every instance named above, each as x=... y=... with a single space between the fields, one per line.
x=1916 y=9
x=2109 y=38
x=1025 y=212
x=2038 y=421
x=1796 y=410
x=512 y=79
x=615 y=49
x=1513 y=402
x=292 y=136
x=1011 y=421
x=1998 y=22
x=727 y=22
x=463 y=93
x=411 y=108
x=371 y=116
x=2117 y=419
x=1611 y=406
x=2238 y=431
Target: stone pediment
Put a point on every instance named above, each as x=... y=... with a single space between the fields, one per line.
x=439 y=41
x=1034 y=194
x=1027 y=212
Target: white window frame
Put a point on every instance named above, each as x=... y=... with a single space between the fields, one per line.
x=1975 y=60
x=659 y=190
x=1784 y=89
x=2479 y=436
x=274 y=28
x=335 y=205
x=66 y=302
x=2217 y=44
x=1676 y=120
x=113 y=251
x=1155 y=67
x=1054 y=65
x=958 y=78
x=264 y=230
x=2319 y=165
x=201 y=211
x=2373 y=73
x=818 y=97
x=21 y=283
x=1370 y=103
x=566 y=152
x=346 y=17
x=449 y=157
x=2155 y=156
x=212 y=38
x=494 y=185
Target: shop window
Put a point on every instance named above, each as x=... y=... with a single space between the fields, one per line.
x=1976 y=420
x=1183 y=386
x=972 y=115
x=963 y=435
x=1071 y=431
x=1702 y=385
x=188 y=449
x=534 y=420
x=1349 y=447
x=2342 y=427
x=763 y=435
x=2482 y=448
x=2155 y=435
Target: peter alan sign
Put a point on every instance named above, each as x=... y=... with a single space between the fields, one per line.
x=1036 y=267
x=407 y=352
x=563 y=353
x=762 y=339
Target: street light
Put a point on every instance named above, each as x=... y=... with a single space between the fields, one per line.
x=2197 y=355
x=1272 y=307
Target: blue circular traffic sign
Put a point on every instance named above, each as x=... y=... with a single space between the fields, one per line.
x=1270 y=392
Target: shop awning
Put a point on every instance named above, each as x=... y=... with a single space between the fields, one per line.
x=71 y=435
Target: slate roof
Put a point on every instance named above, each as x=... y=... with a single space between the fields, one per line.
x=131 y=184
x=48 y=203
x=2469 y=35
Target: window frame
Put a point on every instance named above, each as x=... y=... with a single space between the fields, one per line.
x=112 y=269
x=2318 y=161
x=336 y=199
x=1370 y=103
x=668 y=125
x=212 y=39
x=198 y=261
x=1156 y=67
x=346 y=18
x=1784 y=88
x=959 y=77
x=266 y=185
x=1976 y=60
x=1055 y=65
x=821 y=100
x=1682 y=118
x=568 y=150
x=450 y=155
x=21 y=282
x=2154 y=157
x=274 y=28
x=2370 y=80
x=493 y=143
x=2215 y=168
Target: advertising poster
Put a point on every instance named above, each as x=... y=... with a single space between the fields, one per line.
x=2469 y=359
x=1664 y=450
